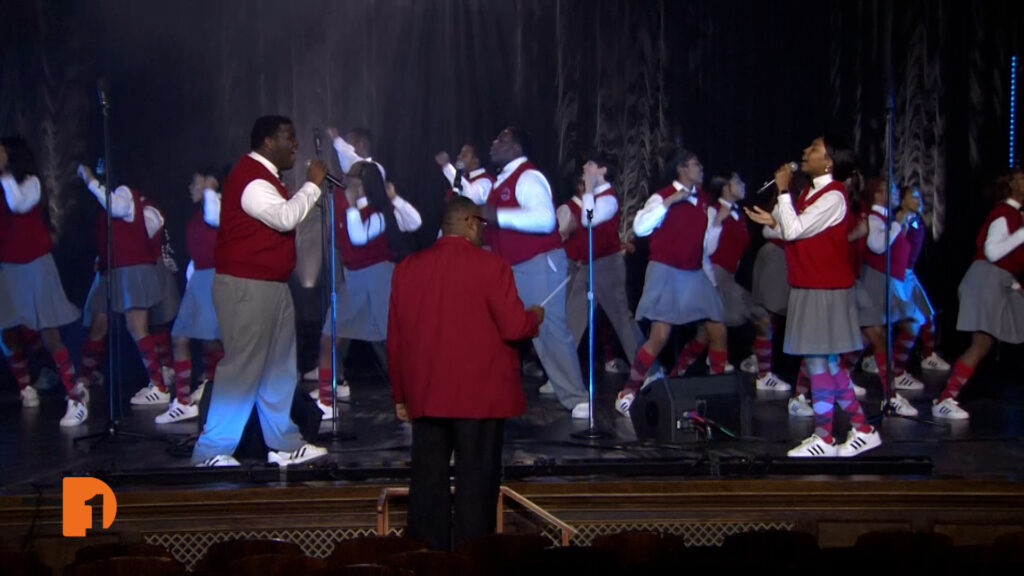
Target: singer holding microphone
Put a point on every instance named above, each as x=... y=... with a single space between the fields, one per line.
x=254 y=257
x=822 y=321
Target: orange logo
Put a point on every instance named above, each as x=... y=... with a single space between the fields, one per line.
x=80 y=495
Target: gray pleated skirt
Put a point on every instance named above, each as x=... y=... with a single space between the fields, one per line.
x=6 y=309
x=677 y=296
x=989 y=303
x=363 y=300
x=197 y=318
x=35 y=296
x=738 y=306
x=822 y=322
x=134 y=287
x=170 y=297
x=871 y=299
x=919 y=296
x=770 y=287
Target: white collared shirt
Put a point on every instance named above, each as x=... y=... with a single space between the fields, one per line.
x=653 y=213
x=347 y=157
x=477 y=191
x=876 y=229
x=262 y=201
x=361 y=233
x=998 y=240
x=536 y=211
x=715 y=230
x=211 y=207
x=21 y=196
x=122 y=205
x=824 y=213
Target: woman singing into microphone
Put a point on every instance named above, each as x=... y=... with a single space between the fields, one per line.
x=822 y=317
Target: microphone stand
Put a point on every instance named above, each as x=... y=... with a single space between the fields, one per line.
x=592 y=432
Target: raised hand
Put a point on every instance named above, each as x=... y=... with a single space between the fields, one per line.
x=760 y=216
x=85 y=173
x=442 y=159
x=316 y=171
x=783 y=176
x=332 y=132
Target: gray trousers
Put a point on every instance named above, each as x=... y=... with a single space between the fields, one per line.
x=535 y=280
x=257 y=327
x=609 y=294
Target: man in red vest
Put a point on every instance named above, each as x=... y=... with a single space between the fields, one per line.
x=522 y=211
x=453 y=321
x=253 y=259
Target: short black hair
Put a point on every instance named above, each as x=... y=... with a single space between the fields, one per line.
x=718 y=184
x=678 y=157
x=837 y=148
x=362 y=133
x=605 y=160
x=523 y=138
x=456 y=209
x=265 y=127
x=19 y=157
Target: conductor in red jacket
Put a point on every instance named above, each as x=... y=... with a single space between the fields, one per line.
x=453 y=321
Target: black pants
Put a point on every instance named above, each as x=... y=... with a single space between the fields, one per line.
x=477 y=446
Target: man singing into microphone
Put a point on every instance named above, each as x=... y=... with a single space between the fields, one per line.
x=254 y=256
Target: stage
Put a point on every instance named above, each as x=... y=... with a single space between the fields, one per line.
x=960 y=477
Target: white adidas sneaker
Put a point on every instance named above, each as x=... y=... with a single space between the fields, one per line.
x=624 y=401
x=901 y=406
x=859 y=443
x=949 y=408
x=218 y=461
x=305 y=453
x=29 y=397
x=907 y=382
x=813 y=447
x=772 y=382
x=150 y=395
x=800 y=407
x=178 y=412
x=76 y=413
x=935 y=362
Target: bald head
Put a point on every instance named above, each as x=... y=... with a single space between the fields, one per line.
x=462 y=218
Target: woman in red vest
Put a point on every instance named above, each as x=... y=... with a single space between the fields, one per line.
x=822 y=320
x=197 y=318
x=30 y=282
x=991 y=298
x=369 y=218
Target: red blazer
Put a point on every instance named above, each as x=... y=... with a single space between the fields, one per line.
x=454 y=317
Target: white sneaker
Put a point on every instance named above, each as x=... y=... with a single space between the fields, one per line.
x=304 y=454
x=581 y=411
x=546 y=389
x=178 y=412
x=901 y=406
x=219 y=460
x=934 y=362
x=659 y=375
x=772 y=382
x=312 y=376
x=150 y=395
x=80 y=392
x=168 y=374
x=624 y=401
x=197 y=394
x=616 y=366
x=327 y=409
x=76 y=413
x=749 y=364
x=907 y=382
x=859 y=391
x=869 y=365
x=29 y=397
x=800 y=407
x=813 y=447
x=859 y=443
x=949 y=408
x=729 y=368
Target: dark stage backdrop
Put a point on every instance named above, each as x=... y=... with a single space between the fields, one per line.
x=746 y=85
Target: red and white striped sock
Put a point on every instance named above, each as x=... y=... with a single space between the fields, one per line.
x=883 y=370
x=183 y=381
x=962 y=372
x=162 y=344
x=693 y=349
x=92 y=353
x=846 y=398
x=324 y=385
x=65 y=368
x=763 y=351
x=901 y=347
x=823 y=398
x=803 y=380
x=641 y=364
x=18 y=364
x=717 y=359
x=927 y=335
x=150 y=359
x=211 y=358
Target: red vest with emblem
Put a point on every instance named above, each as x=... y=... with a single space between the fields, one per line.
x=821 y=262
x=679 y=240
x=25 y=236
x=606 y=234
x=200 y=241
x=899 y=251
x=131 y=244
x=1014 y=261
x=246 y=247
x=732 y=243
x=357 y=257
x=513 y=245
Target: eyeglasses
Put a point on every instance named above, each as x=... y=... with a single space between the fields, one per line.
x=481 y=220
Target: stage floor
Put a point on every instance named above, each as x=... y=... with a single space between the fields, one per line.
x=37 y=452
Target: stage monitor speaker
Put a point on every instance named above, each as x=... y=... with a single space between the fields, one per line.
x=659 y=411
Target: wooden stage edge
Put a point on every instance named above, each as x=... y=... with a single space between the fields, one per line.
x=316 y=515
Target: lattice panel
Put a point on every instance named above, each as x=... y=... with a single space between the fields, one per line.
x=189 y=547
x=696 y=533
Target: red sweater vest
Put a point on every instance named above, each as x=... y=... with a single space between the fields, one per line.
x=200 y=241
x=131 y=244
x=859 y=247
x=731 y=244
x=25 y=235
x=357 y=257
x=821 y=262
x=899 y=251
x=1014 y=261
x=915 y=233
x=606 y=234
x=156 y=241
x=513 y=245
x=246 y=247
x=679 y=241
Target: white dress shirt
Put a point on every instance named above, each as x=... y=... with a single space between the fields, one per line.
x=536 y=211
x=347 y=157
x=653 y=213
x=122 y=205
x=826 y=211
x=715 y=230
x=605 y=206
x=211 y=207
x=154 y=220
x=998 y=240
x=477 y=191
x=21 y=197
x=361 y=233
x=262 y=201
x=876 y=229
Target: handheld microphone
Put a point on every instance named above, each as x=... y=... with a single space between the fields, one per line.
x=101 y=93
x=793 y=167
x=329 y=177
x=316 y=141
x=588 y=204
x=460 y=168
